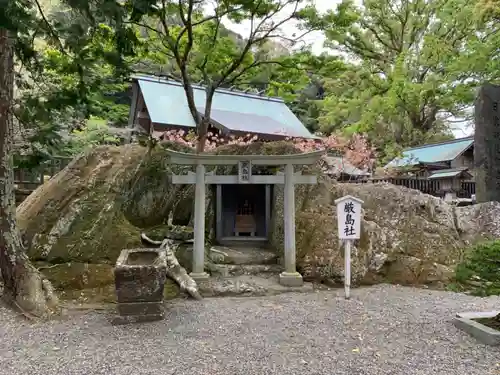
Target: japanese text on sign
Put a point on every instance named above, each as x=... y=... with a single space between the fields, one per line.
x=244 y=172
x=349 y=217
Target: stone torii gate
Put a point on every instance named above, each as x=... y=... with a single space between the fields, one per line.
x=290 y=277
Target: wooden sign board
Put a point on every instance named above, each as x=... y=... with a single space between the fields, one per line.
x=349 y=217
x=244 y=171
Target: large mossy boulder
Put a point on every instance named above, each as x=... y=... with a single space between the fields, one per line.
x=407 y=236
x=98 y=204
x=102 y=201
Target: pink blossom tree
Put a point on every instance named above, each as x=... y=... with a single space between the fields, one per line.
x=355 y=149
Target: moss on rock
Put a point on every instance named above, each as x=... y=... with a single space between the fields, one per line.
x=171 y=290
x=78 y=275
x=100 y=203
x=150 y=196
x=97 y=205
x=173 y=232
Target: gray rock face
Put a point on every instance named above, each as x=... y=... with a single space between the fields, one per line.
x=487 y=144
x=478 y=221
x=93 y=209
x=407 y=237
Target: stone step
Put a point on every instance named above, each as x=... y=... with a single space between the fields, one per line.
x=242 y=255
x=248 y=285
x=256 y=242
x=229 y=270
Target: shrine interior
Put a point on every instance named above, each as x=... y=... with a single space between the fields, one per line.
x=243 y=212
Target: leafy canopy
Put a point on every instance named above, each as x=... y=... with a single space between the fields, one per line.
x=414 y=64
x=399 y=72
x=189 y=37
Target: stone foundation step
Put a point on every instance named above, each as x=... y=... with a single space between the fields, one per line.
x=248 y=285
x=242 y=255
x=255 y=242
x=228 y=270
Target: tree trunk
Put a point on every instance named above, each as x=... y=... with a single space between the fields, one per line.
x=202 y=136
x=24 y=286
x=175 y=271
x=202 y=126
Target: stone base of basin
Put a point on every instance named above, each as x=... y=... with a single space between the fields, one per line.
x=140 y=308
x=466 y=322
x=138 y=312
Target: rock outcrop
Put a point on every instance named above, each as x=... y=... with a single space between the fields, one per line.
x=407 y=236
x=76 y=224
x=96 y=206
x=105 y=198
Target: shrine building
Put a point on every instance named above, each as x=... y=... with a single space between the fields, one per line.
x=243 y=207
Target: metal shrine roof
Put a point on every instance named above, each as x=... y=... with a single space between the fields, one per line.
x=444 y=174
x=447 y=173
x=234 y=110
x=432 y=153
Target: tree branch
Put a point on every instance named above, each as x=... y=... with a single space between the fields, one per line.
x=181 y=63
x=377 y=36
x=255 y=64
x=203 y=65
x=189 y=27
x=190 y=24
x=253 y=39
x=50 y=28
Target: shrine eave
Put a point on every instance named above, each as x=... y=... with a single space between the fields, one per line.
x=211 y=159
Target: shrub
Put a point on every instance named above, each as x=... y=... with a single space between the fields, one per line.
x=480 y=271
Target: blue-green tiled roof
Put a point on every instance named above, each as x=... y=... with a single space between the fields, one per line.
x=235 y=110
x=432 y=153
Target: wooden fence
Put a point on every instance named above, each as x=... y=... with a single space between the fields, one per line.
x=468 y=189
x=27 y=180
x=431 y=187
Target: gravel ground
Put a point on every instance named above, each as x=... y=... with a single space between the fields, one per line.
x=381 y=330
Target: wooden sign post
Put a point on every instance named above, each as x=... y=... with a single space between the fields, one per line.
x=349 y=226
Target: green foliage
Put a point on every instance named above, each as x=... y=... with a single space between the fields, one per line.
x=77 y=68
x=195 y=46
x=212 y=50
x=412 y=66
x=188 y=39
x=481 y=269
x=300 y=80
x=95 y=132
x=397 y=74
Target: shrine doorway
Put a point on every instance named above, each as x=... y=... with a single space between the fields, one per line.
x=243 y=212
